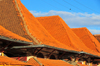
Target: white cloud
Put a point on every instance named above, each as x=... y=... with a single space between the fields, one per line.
x=74 y=20
x=94 y=31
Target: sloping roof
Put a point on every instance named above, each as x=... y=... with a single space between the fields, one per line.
x=49 y=62
x=10 y=18
x=88 y=39
x=54 y=26
x=6 y=33
x=17 y=19
x=62 y=32
x=7 y=61
x=97 y=36
x=40 y=34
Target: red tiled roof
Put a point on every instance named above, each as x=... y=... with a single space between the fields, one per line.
x=7 y=61
x=53 y=24
x=62 y=32
x=29 y=27
x=88 y=39
x=38 y=31
x=11 y=19
x=6 y=33
x=97 y=36
x=49 y=62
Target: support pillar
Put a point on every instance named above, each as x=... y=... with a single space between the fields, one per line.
x=50 y=53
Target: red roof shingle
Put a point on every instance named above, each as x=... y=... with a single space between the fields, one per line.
x=88 y=39
x=63 y=33
x=6 y=33
x=10 y=61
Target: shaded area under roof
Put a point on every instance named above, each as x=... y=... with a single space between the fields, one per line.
x=9 y=39
x=56 y=48
x=44 y=46
x=2 y=39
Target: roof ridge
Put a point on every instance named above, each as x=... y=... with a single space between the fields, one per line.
x=49 y=27
x=66 y=31
x=92 y=39
x=69 y=35
x=25 y=26
x=86 y=34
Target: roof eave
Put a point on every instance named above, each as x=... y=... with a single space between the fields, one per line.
x=15 y=40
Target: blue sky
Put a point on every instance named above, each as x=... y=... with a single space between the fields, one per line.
x=76 y=13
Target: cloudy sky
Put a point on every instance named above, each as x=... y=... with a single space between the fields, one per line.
x=76 y=13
